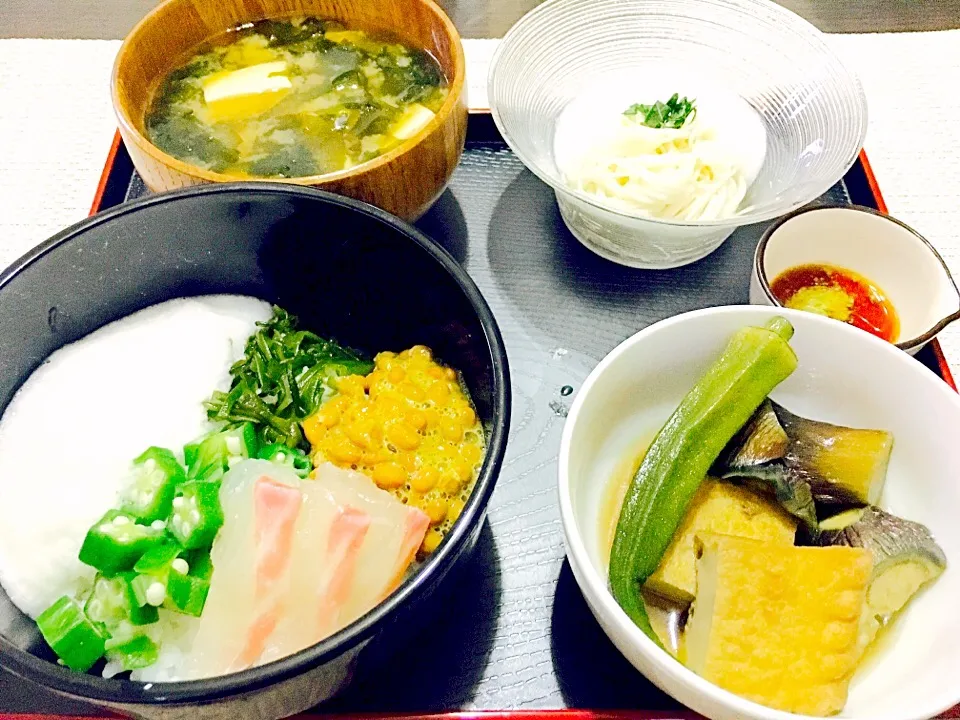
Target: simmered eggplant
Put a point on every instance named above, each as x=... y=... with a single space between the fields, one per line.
x=755 y=458
x=906 y=557
x=759 y=442
x=790 y=491
x=840 y=465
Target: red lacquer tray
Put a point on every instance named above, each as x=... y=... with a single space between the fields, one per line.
x=482 y=715
x=119 y=183
x=515 y=632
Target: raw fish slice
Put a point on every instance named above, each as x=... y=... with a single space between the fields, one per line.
x=329 y=538
x=395 y=533
x=230 y=601
x=354 y=542
x=346 y=538
x=277 y=507
x=234 y=606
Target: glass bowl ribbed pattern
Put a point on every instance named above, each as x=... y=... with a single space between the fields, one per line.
x=812 y=107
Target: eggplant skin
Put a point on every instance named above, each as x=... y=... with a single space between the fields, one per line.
x=887 y=536
x=841 y=465
x=760 y=442
x=777 y=481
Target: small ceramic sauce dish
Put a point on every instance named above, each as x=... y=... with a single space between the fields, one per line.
x=888 y=261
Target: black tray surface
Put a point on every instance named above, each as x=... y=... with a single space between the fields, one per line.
x=514 y=631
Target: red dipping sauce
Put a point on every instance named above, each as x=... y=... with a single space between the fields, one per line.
x=838 y=293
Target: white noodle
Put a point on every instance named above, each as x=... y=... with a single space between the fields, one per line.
x=675 y=174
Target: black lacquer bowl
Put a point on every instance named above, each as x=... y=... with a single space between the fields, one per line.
x=347 y=270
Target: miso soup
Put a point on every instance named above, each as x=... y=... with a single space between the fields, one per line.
x=290 y=98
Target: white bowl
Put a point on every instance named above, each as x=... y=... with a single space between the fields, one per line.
x=884 y=250
x=797 y=115
x=845 y=376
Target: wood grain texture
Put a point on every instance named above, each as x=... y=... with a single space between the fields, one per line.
x=113 y=19
x=404 y=181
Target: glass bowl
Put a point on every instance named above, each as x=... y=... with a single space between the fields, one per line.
x=759 y=56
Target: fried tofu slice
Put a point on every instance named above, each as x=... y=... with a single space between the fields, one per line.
x=778 y=625
x=724 y=508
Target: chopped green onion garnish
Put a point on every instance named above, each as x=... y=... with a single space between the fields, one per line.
x=674 y=113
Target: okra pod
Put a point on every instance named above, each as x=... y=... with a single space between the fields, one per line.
x=211 y=456
x=187 y=588
x=113 y=601
x=197 y=515
x=116 y=541
x=755 y=361
x=77 y=641
x=138 y=652
x=294 y=458
x=155 y=476
x=175 y=579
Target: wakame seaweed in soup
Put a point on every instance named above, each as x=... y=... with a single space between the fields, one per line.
x=289 y=98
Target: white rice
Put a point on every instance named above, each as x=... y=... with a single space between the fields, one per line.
x=68 y=436
x=177 y=632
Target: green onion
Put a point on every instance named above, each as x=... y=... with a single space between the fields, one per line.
x=674 y=113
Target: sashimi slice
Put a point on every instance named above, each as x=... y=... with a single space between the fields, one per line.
x=251 y=560
x=329 y=539
x=391 y=543
x=276 y=508
x=346 y=537
x=353 y=545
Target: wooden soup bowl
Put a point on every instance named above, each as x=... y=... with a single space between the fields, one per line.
x=404 y=181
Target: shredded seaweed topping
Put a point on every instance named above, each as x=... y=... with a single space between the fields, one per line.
x=283 y=377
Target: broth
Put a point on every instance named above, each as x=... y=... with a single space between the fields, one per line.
x=666 y=617
x=292 y=98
